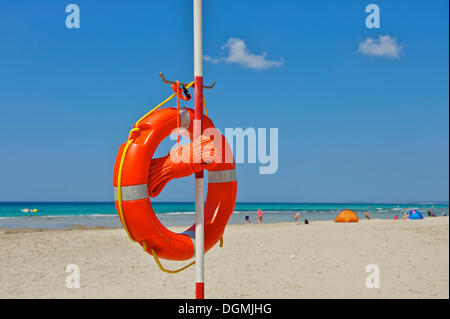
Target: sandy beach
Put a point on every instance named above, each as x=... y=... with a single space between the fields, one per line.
x=320 y=260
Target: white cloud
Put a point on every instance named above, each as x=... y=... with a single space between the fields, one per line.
x=239 y=53
x=384 y=46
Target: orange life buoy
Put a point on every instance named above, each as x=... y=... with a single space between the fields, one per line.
x=139 y=218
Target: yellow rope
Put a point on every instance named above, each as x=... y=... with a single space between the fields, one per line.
x=119 y=188
x=158 y=262
x=168 y=270
x=155 y=108
x=155 y=257
x=204 y=106
x=161 y=104
x=119 y=182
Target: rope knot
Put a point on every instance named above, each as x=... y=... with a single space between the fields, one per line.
x=134 y=133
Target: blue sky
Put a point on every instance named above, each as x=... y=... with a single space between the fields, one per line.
x=352 y=127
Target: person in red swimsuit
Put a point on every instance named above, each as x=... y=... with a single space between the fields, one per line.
x=260 y=215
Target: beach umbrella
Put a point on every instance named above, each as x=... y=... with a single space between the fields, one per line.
x=346 y=216
x=415 y=214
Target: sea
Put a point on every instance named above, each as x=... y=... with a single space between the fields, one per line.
x=58 y=215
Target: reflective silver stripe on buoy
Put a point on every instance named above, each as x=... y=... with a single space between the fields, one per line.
x=185 y=119
x=222 y=176
x=134 y=192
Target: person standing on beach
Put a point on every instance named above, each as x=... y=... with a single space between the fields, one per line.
x=367 y=215
x=260 y=216
x=296 y=217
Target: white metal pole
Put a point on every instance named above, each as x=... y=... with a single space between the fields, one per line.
x=199 y=199
x=198 y=39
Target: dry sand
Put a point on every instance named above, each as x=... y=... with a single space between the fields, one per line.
x=320 y=260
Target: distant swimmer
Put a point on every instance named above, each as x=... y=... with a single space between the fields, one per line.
x=29 y=210
x=260 y=216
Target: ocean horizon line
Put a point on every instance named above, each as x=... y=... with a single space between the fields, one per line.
x=443 y=202
x=69 y=214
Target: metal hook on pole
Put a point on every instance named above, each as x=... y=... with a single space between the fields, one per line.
x=185 y=84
